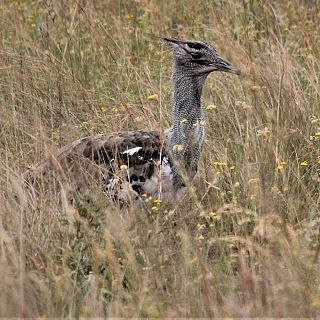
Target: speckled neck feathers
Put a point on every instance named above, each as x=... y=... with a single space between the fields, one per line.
x=185 y=137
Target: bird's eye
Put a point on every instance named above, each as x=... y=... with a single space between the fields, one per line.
x=195 y=55
x=195 y=45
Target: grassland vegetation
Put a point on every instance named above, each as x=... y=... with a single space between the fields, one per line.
x=245 y=241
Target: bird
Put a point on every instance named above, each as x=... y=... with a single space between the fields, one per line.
x=143 y=162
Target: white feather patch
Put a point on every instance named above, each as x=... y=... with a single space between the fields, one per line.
x=166 y=169
x=132 y=151
x=161 y=182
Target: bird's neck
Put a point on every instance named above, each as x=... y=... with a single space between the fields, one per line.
x=186 y=102
x=185 y=137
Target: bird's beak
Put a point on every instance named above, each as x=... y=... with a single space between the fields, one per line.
x=224 y=65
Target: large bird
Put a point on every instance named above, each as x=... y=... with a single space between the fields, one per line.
x=140 y=162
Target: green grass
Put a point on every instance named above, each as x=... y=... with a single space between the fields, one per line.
x=245 y=241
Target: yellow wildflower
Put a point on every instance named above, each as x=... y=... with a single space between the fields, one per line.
x=123 y=167
x=103 y=109
x=184 y=121
x=157 y=202
x=154 y=209
x=211 y=107
x=212 y=214
x=281 y=165
x=152 y=97
x=232 y=167
x=265 y=132
x=219 y=164
x=304 y=163
x=84 y=123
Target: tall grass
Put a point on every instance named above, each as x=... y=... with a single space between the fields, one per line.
x=245 y=240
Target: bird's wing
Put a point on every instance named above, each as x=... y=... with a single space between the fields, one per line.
x=108 y=158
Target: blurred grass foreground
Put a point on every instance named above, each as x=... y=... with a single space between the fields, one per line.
x=246 y=240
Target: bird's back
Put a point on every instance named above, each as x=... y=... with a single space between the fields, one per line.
x=119 y=162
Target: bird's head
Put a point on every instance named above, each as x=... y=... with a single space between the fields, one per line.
x=198 y=58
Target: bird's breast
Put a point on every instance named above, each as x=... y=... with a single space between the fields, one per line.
x=161 y=182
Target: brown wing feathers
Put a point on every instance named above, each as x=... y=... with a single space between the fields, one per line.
x=99 y=158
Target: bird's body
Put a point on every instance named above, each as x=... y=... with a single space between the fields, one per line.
x=140 y=162
x=121 y=162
